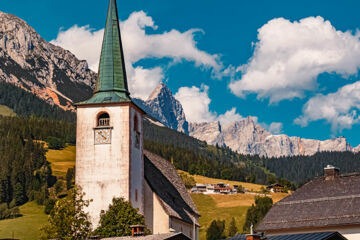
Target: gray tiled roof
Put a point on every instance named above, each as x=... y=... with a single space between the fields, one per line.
x=164 y=236
x=319 y=203
x=163 y=179
x=304 y=236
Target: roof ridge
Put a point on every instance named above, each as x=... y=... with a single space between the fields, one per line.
x=319 y=199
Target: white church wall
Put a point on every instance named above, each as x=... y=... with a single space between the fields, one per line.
x=137 y=162
x=160 y=217
x=103 y=170
x=181 y=226
x=148 y=207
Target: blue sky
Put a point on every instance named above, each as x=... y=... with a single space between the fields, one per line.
x=276 y=60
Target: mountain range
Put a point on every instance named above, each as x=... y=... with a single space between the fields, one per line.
x=59 y=78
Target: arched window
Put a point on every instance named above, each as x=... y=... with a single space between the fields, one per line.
x=103 y=120
x=137 y=132
x=136 y=124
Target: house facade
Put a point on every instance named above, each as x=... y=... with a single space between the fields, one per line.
x=330 y=203
x=110 y=156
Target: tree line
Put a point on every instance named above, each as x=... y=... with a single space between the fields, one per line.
x=301 y=169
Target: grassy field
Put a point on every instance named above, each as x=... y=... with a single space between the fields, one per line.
x=61 y=160
x=249 y=186
x=6 y=111
x=225 y=207
x=26 y=227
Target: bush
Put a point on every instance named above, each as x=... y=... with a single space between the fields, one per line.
x=68 y=220
x=188 y=180
x=116 y=221
x=49 y=205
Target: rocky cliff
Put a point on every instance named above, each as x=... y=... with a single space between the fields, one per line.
x=50 y=72
x=162 y=105
x=248 y=137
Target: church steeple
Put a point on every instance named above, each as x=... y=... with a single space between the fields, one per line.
x=111 y=84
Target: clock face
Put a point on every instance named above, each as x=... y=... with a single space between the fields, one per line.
x=102 y=136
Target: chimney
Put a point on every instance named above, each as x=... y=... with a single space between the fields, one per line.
x=137 y=230
x=252 y=235
x=331 y=172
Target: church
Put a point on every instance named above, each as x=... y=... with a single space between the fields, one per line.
x=110 y=157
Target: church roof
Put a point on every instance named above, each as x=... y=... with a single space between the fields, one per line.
x=163 y=179
x=164 y=236
x=319 y=203
x=111 y=83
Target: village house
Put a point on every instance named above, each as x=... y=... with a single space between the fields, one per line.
x=330 y=203
x=219 y=188
x=275 y=188
x=110 y=157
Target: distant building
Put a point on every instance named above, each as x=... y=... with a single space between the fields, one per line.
x=219 y=188
x=330 y=203
x=110 y=156
x=275 y=188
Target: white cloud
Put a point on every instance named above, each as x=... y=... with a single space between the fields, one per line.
x=195 y=102
x=229 y=116
x=275 y=127
x=85 y=43
x=289 y=56
x=340 y=109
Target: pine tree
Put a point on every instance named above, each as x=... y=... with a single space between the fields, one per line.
x=232 y=228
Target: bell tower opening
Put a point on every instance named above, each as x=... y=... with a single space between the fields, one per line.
x=103 y=120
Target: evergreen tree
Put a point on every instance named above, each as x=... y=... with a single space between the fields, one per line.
x=70 y=177
x=215 y=230
x=232 y=228
x=19 y=194
x=257 y=212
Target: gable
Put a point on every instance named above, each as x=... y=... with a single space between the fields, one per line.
x=163 y=179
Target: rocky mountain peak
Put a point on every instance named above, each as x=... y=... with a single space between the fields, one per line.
x=163 y=106
x=160 y=91
x=50 y=72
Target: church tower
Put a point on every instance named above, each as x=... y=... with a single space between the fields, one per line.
x=109 y=141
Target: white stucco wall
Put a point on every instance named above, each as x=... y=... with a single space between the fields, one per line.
x=351 y=233
x=104 y=171
x=137 y=163
x=186 y=228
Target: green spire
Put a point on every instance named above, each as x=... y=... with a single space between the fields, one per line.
x=111 y=84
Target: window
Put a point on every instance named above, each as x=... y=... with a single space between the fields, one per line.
x=137 y=132
x=103 y=120
x=136 y=195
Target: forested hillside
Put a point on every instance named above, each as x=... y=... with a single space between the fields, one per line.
x=300 y=169
x=196 y=157
x=24 y=172
x=26 y=104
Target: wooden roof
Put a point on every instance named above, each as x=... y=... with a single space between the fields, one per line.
x=164 y=180
x=319 y=203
